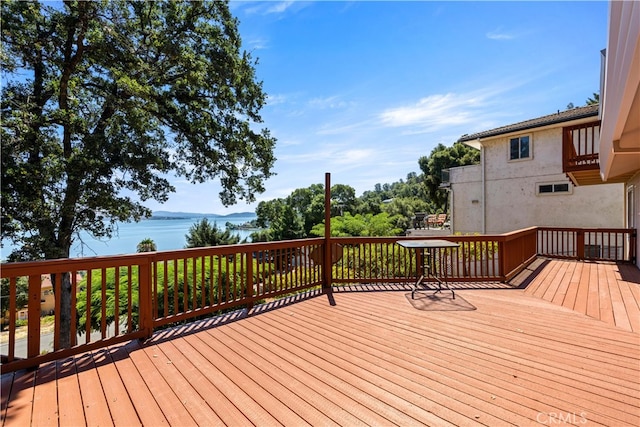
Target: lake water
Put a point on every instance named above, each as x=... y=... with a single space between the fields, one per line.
x=168 y=234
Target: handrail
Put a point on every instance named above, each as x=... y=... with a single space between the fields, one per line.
x=156 y=289
x=580 y=146
x=597 y=244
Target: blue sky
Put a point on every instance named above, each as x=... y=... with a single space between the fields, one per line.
x=364 y=89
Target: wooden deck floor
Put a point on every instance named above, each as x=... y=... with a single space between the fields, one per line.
x=605 y=291
x=363 y=357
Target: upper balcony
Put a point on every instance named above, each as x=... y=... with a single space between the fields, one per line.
x=580 y=154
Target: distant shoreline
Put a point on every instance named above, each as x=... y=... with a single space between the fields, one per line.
x=169 y=217
x=194 y=215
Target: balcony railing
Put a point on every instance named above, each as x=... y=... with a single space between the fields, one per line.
x=580 y=153
x=580 y=145
x=120 y=298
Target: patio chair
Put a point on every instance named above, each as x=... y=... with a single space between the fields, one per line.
x=418 y=219
x=442 y=218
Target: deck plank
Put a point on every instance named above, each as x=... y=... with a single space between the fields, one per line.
x=94 y=401
x=197 y=406
x=120 y=406
x=309 y=389
x=619 y=313
x=630 y=304
x=225 y=410
x=582 y=295
x=604 y=294
x=70 y=410
x=256 y=414
x=593 y=293
x=6 y=381
x=163 y=393
x=304 y=413
x=542 y=281
x=574 y=285
x=45 y=397
x=563 y=285
x=304 y=372
x=20 y=405
x=141 y=397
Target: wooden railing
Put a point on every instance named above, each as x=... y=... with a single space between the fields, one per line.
x=598 y=244
x=478 y=258
x=197 y=282
x=120 y=298
x=580 y=145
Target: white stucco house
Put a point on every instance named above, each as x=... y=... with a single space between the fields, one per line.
x=577 y=168
x=521 y=180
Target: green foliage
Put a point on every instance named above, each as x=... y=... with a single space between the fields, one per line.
x=146 y=245
x=367 y=261
x=360 y=225
x=203 y=233
x=100 y=100
x=441 y=158
x=121 y=306
x=282 y=218
x=595 y=99
x=261 y=236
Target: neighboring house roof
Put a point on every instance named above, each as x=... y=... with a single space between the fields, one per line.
x=559 y=117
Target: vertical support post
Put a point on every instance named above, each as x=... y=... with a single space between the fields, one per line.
x=580 y=244
x=33 y=313
x=502 y=264
x=326 y=263
x=249 y=280
x=145 y=296
x=13 y=291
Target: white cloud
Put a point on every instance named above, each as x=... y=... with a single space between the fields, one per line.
x=258 y=44
x=330 y=102
x=271 y=7
x=500 y=35
x=435 y=112
x=355 y=156
x=279 y=7
x=276 y=99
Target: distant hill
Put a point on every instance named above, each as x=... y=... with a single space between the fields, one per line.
x=189 y=215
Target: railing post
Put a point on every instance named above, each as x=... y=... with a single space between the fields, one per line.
x=502 y=260
x=249 y=281
x=33 y=313
x=580 y=244
x=326 y=264
x=145 y=296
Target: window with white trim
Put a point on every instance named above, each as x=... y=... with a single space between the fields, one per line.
x=520 y=148
x=553 y=188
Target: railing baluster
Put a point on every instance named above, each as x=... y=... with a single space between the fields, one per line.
x=103 y=308
x=116 y=295
x=13 y=297
x=129 y=300
x=87 y=323
x=57 y=292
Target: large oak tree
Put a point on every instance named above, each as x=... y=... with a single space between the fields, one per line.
x=102 y=100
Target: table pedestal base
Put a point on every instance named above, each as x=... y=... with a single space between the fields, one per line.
x=419 y=286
